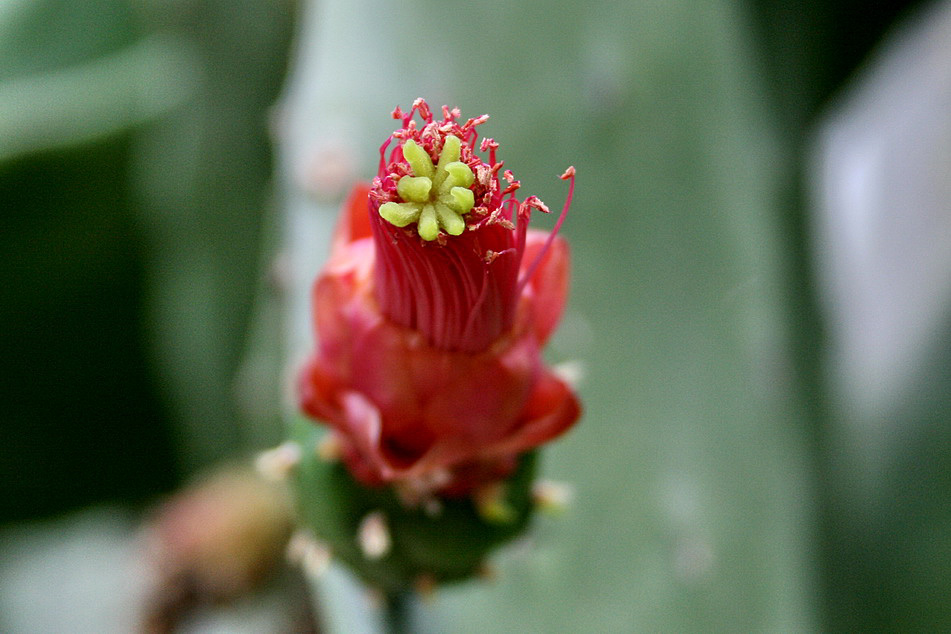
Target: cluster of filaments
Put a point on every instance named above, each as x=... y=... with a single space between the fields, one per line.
x=435 y=196
x=459 y=191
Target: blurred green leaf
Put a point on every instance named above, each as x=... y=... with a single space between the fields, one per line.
x=76 y=391
x=134 y=163
x=41 y=36
x=202 y=176
x=80 y=103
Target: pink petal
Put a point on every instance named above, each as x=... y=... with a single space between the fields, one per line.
x=552 y=410
x=548 y=286
x=354 y=222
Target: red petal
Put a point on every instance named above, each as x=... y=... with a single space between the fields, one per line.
x=363 y=426
x=548 y=286
x=317 y=391
x=404 y=407
x=552 y=410
x=354 y=222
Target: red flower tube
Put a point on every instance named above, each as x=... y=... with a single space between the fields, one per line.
x=431 y=314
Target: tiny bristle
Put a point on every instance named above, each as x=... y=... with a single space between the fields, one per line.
x=313 y=556
x=552 y=497
x=373 y=536
x=491 y=504
x=277 y=463
x=571 y=372
x=488 y=572
x=328 y=448
x=375 y=598
x=432 y=506
x=425 y=586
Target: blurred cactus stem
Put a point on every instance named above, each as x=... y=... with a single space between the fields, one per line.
x=418 y=341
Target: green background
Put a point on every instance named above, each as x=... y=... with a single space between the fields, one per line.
x=141 y=310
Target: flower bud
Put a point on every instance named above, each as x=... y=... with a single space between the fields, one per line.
x=431 y=314
x=430 y=317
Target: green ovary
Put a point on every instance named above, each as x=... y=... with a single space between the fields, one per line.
x=435 y=197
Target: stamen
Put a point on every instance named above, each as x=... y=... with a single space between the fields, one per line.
x=568 y=175
x=460 y=282
x=383 y=148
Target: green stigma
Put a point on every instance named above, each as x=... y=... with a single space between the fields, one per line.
x=436 y=196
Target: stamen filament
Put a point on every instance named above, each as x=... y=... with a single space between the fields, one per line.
x=568 y=175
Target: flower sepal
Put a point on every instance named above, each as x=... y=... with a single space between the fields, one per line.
x=394 y=543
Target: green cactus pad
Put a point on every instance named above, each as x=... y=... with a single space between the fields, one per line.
x=447 y=547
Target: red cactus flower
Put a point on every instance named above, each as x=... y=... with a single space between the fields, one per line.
x=431 y=314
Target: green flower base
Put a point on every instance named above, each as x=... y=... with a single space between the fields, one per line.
x=440 y=548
